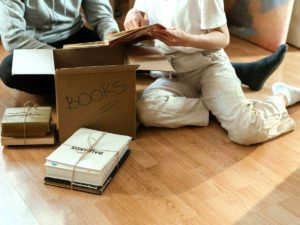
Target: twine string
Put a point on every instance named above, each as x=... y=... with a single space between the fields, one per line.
x=28 y=108
x=92 y=142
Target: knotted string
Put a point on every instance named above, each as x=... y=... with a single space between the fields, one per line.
x=28 y=108
x=90 y=149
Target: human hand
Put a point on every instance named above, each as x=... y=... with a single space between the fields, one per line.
x=171 y=36
x=134 y=19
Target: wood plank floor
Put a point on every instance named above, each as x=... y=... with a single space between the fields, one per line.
x=182 y=176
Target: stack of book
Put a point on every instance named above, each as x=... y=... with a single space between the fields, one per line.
x=87 y=161
x=27 y=126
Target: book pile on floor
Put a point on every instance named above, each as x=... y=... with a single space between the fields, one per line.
x=27 y=126
x=87 y=161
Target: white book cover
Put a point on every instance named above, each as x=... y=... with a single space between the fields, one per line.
x=105 y=147
x=82 y=175
x=33 y=62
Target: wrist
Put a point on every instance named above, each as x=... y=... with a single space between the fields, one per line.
x=193 y=40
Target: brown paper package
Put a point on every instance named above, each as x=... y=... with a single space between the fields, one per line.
x=15 y=122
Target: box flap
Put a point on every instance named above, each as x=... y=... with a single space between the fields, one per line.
x=94 y=70
x=85 y=57
x=33 y=62
x=149 y=58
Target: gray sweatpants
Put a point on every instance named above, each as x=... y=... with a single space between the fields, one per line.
x=206 y=81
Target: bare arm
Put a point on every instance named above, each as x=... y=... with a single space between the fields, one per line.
x=217 y=38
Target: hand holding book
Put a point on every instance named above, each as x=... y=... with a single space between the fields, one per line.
x=172 y=36
x=122 y=38
x=135 y=19
x=137 y=29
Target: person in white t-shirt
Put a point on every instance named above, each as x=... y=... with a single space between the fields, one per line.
x=253 y=74
x=204 y=80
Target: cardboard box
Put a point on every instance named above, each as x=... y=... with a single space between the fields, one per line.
x=294 y=30
x=95 y=87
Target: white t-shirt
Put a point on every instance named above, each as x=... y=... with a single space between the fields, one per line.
x=192 y=16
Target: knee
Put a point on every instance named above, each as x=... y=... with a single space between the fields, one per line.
x=246 y=137
x=249 y=133
x=148 y=110
x=5 y=71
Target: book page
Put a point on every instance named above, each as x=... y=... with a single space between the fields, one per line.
x=120 y=38
x=133 y=36
x=87 y=44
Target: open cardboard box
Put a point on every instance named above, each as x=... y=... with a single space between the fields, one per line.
x=95 y=87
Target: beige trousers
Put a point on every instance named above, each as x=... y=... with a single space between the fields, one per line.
x=206 y=81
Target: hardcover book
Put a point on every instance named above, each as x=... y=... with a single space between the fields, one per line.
x=87 y=159
x=121 y=38
x=17 y=121
x=94 y=189
x=48 y=139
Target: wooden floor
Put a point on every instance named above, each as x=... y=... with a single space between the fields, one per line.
x=182 y=176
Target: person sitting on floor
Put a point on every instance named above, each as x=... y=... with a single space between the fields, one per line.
x=204 y=80
x=253 y=74
x=38 y=24
x=51 y=24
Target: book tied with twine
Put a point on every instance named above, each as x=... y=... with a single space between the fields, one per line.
x=28 y=125
x=87 y=161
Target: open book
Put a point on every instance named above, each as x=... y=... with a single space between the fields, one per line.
x=121 y=38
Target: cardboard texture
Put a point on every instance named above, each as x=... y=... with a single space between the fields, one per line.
x=35 y=123
x=149 y=58
x=95 y=87
x=294 y=31
x=262 y=22
x=44 y=57
x=100 y=94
